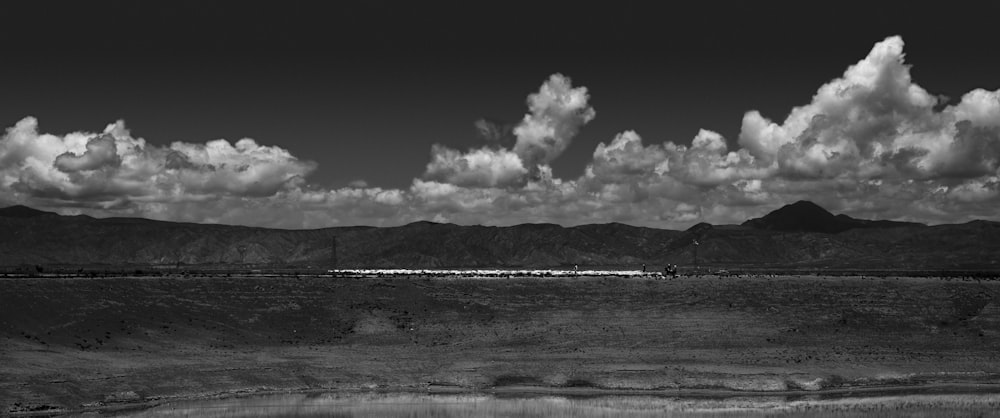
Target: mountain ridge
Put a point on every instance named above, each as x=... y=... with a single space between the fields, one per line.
x=21 y=211
x=807 y=216
x=769 y=241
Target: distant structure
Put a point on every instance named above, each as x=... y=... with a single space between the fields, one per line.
x=696 y=254
x=670 y=270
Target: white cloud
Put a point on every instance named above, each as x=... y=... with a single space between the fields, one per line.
x=626 y=157
x=101 y=152
x=870 y=143
x=558 y=110
x=875 y=122
x=482 y=167
x=980 y=107
x=112 y=167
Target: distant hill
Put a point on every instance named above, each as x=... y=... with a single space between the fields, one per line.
x=798 y=235
x=20 y=211
x=805 y=216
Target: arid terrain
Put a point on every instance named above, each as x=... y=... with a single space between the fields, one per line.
x=75 y=344
x=797 y=236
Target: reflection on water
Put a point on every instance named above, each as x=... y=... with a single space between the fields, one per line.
x=441 y=406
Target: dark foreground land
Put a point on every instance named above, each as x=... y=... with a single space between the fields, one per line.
x=76 y=344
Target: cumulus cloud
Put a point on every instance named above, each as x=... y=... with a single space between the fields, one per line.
x=628 y=171
x=875 y=122
x=871 y=143
x=243 y=168
x=114 y=168
x=483 y=167
x=626 y=157
x=557 y=111
x=101 y=152
x=875 y=126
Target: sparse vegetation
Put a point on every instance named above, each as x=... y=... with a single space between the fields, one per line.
x=175 y=337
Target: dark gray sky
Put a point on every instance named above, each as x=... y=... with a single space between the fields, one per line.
x=365 y=89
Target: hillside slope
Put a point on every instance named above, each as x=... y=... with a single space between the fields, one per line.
x=784 y=238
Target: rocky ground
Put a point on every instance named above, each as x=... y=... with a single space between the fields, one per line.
x=82 y=344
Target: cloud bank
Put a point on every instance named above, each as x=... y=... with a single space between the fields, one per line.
x=114 y=169
x=871 y=143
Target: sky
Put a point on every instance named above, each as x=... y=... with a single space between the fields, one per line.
x=293 y=115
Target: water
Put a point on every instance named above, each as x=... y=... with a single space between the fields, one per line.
x=446 y=406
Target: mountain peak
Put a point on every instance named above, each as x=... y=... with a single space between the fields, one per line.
x=700 y=226
x=799 y=216
x=805 y=205
x=806 y=216
x=21 y=211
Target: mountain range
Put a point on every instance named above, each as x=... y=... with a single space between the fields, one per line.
x=799 y=235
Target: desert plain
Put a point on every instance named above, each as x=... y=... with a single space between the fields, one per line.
x=81 y=344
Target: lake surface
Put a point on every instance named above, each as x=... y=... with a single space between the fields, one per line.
x=441 y=406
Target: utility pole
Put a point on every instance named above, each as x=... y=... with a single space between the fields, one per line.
x=696 y=254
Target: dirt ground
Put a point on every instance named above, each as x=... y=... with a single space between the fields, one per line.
x=80 y=344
